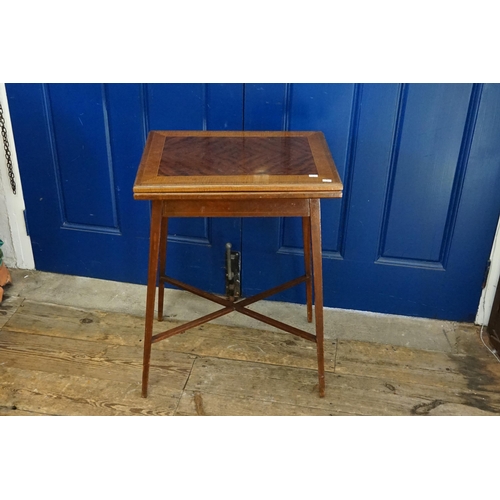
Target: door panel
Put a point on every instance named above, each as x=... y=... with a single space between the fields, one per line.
x=333 y=110
x=424 y=160
x=448 y=288
x=78 y=124
x=79 y=147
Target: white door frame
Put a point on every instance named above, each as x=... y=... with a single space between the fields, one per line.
x=17 y=250
x=489 y=291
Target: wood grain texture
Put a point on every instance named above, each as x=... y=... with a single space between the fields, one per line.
x=223 y=162
x=296 y=387
x=317 y=262
x=254 y=345
x=114 y=329
x=208 y=404
x=24 y=392
x=209 y=156
x=67 y=356
x=57 y=360
x=38 y=318
x=459 y=410
x=431 y=367
x=162 y=194
x=457 y=379
x=8 y=307
x=154 y=248
x=306 y=236
x=235 y=208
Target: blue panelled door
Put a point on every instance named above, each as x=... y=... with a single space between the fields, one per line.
x=412 y=234
x=79 y=147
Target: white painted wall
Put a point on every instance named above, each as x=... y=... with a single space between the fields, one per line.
x=5 y=233
x=17 y=245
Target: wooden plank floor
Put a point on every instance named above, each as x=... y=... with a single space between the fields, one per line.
x=58 y=360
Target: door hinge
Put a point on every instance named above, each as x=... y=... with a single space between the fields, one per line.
x=233 y=273
x=486 y=272
x=26 y=223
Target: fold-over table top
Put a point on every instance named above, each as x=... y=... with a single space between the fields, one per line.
x=186 y=164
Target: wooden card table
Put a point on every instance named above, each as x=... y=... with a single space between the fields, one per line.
x=236 y=174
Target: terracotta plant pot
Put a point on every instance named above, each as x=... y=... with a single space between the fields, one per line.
x=5 y=279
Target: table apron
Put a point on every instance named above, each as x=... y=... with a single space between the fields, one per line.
x=237 y=208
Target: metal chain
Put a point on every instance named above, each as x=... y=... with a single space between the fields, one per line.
x=6 y=147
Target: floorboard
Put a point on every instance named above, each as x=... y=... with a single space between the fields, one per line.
x=23 y=391
x=59 y=360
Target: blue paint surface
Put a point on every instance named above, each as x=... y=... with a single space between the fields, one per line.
x=82 y=224
x=412 y=234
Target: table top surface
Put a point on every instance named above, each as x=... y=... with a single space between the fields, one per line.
x=295 y=164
